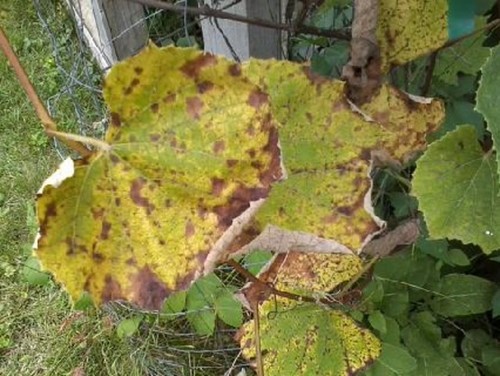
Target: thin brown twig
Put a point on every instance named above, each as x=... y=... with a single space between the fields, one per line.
x=258 y=350
x=48 y=123
x=285 y=294
x=211 y=12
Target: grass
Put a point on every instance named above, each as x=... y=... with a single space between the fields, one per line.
x=40 y=334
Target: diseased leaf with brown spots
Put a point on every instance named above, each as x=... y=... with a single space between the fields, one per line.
x=305 y=339
x=407 y=29
x=328 y=149
x=191 y=148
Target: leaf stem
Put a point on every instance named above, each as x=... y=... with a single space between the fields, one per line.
x=48 y=123
x=69 y=137
x=266 y=286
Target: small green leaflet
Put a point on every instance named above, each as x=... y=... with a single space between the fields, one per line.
x=456 y=184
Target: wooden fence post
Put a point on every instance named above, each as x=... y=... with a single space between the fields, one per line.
x=240 y=39
x=113 y=29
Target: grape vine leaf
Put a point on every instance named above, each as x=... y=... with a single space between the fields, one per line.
x=456 y=184
x=192 y=148
x=190 y=156
x=488 y=94
x=320 y=342
x=328 y=149
x=409 y=29
x=328 y=156
x=466 y=56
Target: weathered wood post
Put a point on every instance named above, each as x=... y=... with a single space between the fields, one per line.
x=243 y=39
x=113 y=29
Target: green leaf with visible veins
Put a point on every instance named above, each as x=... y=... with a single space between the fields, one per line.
x=488 y=96
x=456 y=184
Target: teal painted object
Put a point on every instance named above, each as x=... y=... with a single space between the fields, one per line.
x=460 y=18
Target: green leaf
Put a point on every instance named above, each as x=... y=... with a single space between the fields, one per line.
x=466 y=56
x=465 y=204
x=495 y=302
x=491 y=359
x=374 y=291
x=202 y=321
x=206 y=289
x=458 y=257
x=474 y=341
x=174 y=304
x=228 y=309
x=395 y=303
x=459 y=113
x=32 y=274
x=128 y=327
x=396 y=359
x=434 y=354
x=304 y=339
x=378 y=322
x=435 y=248
x=487 y=97
x=462 y=295
x=403 y=204
x=468 y=367
x=256 y=260
x=392 y=334
x=199 y=304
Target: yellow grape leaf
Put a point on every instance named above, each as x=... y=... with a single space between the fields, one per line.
x=328 y=149
x=407 y=29
x=304 y=339
x=192 y=151
x=191 y=154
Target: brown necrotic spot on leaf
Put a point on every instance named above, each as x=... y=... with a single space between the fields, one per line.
x=235 y=70
x=204 y=86
x=189 y=230
x=148 y=290
x=274 y=172
x=194 y=105
x=231 y=163
x=154 y=137
x=219 y=146
x=169 y=98
x=138 y=70
x=314 y=78
x=132 y=85
x=257 y=99
x=193 y=67
x=97 y=213
x=218 y=186
x=155 y=107
x=115 y=119
x=112 y=290
x=97 y=257
x=106 y=227
x=135 y=195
